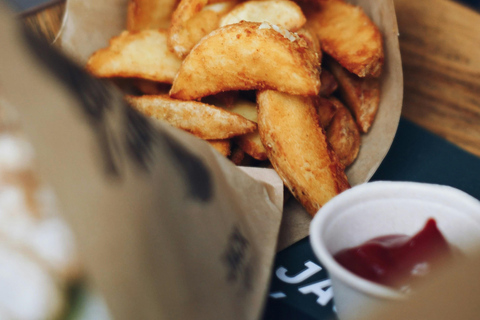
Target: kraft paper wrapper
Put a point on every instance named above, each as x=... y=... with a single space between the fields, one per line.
x=167 y=228
x=89 y=24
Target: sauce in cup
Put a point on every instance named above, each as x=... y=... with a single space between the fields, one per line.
x=397 y=260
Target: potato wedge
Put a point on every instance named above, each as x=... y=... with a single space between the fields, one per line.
x=237 y=156
x=325 y=109
x=142 y=54
x=203 y=120
x=343 y=134
x=361 y=95
x=312 y=42
x=245 y=56
x=329 y=84
x=250 y=142
x=283 y=13
x=245 y=108
x=191 y=21
x=149 y=14
x=298 y=150
x=349 y=36
x=222 y=146
x=252 y=145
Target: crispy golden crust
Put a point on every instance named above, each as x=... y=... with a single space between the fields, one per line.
x=142 y=54
x=349 y=36
x=149 y=14
x=310 y=37
x=283 y=13
x=203 y=120
x=361 y=95
x=178 y=37
x=329 y=84
x=222 y=146
x=246 y=56
x=191 y=21
x=343 y=134
x=298 y=150
x=325 y=109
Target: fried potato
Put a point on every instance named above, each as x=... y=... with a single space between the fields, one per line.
x=298 y=150
x=312 y=41
x=245 y=56
x=252 y=145
x=222 y=146
x=329 y=84
x=142 y=54
x=283 y=13
x=203 y=120
x=325 y=109
x=191 y=21
x=348 y=35
x=149 y=14
x=343 y=134
x=245 y=108
x=237 y=156
x=250 y=142
x=361 y=95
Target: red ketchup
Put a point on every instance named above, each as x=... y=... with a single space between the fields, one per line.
x=397 y=260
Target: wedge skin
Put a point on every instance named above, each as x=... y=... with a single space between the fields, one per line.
x=343 y=134
x=298 y=149
x=325 y=109
x=361 y=95
x=349 y=36
x=329 y=84
x=247 y=56
x=204 y=121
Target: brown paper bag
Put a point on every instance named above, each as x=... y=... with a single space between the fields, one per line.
x=167 y=228
x=89 y=24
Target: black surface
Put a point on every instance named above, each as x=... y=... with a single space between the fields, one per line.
x=475 y=4
x=420 y=156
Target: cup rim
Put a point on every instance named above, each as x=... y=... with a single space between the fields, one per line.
x=321 y=218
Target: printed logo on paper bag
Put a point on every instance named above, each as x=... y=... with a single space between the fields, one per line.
x=235 y=259
x=137 y=138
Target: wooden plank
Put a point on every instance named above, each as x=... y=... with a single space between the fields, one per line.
x=46 y=23
x=440 y=46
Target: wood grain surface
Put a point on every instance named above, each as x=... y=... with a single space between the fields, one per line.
x=440 y=47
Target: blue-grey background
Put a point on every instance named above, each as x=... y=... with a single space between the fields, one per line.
x=24 y=5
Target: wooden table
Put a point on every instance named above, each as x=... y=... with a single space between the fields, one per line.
x=440 y=47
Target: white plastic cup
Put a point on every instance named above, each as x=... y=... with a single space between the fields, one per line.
x=381 y=208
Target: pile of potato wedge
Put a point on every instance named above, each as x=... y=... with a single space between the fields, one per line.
x=288 y=84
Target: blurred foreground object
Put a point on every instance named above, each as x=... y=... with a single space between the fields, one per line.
x=454 y=294
x=160 y=217
x=38 y=260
